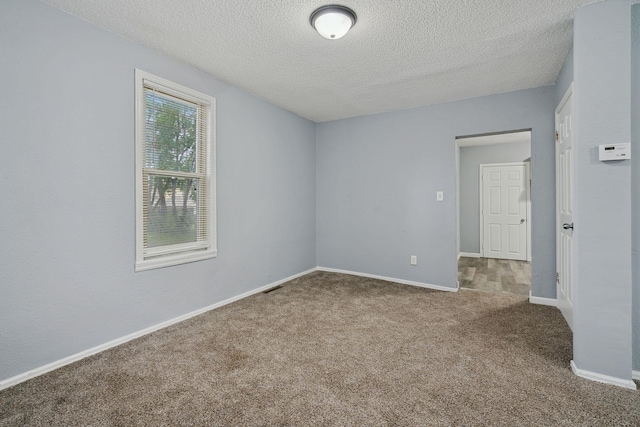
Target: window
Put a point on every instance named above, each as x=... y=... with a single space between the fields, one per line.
x=175 y=176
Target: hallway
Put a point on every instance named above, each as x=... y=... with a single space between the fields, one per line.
x=495 y=275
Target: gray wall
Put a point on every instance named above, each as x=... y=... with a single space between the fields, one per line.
x=67 y=248
x=635 y=178
x=470 y=160
x=602 y=215
x=565 y=78
x=377 y=178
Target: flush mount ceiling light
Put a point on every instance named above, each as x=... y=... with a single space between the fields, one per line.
x=333 y=21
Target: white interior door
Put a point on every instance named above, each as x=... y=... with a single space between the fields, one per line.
x=504 y=198
x=564 y=205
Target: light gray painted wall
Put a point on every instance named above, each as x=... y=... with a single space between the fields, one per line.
x=470 y=160
x=67 y=247
x=377 y=178
x=565 y=78
x=635 y=177
x=602 y=216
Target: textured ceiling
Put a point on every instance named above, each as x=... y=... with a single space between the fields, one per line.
x=400 y=54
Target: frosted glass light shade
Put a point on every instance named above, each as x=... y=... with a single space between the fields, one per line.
x=333 y=22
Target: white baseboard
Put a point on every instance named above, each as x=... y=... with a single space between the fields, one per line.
x=635 y=375
x=102 y=347
x=468 y=255
x=390 y=279
x=606 y=379
x=552 y=302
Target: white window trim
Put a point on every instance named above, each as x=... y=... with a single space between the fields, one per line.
x=167 y=255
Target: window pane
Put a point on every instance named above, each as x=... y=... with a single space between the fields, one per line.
x=172 y=210
x=170 y=133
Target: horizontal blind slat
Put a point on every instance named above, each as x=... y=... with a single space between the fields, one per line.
x=180 y=95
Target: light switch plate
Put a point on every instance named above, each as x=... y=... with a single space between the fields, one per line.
x=440 y=196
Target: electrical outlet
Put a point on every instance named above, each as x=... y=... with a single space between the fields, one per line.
x=414 y=260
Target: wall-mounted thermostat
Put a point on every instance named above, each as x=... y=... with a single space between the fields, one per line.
x=614 y=152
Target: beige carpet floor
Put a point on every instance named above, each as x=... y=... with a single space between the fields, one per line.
x=330 y=349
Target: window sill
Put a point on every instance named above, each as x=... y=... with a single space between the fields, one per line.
x=169 y=260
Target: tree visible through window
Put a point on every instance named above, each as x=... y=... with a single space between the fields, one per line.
x=176 y=207
x=170 y=145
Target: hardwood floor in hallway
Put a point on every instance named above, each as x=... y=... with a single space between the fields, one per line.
x=495 y=275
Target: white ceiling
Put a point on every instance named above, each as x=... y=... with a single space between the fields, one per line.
x=400 y=54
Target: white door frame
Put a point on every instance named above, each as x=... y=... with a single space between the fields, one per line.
x=457 y=199
x=528 y=192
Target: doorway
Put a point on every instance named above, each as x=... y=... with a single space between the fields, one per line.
x=493 y=202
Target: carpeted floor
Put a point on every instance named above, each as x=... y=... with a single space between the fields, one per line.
x=331 y=349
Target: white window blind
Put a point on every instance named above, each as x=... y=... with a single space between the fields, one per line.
x=176 y=221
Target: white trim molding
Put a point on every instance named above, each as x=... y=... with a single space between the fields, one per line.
x=552 y=302
x=468 y=255
x=606 y=379
x=102 y=347
x=391 y=279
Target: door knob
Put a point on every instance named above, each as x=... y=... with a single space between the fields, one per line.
x=567 y=226
x=522 y=221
